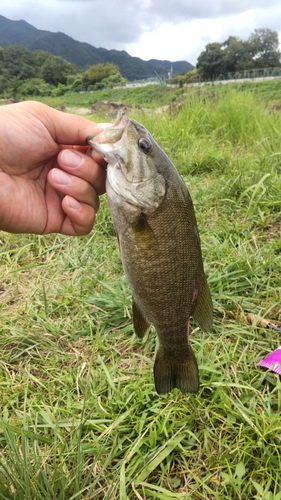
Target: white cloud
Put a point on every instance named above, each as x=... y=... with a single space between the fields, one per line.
x=186 y=40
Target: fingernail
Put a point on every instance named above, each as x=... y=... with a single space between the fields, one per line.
x=61 y=177
x=71 y=158
x=73 y=203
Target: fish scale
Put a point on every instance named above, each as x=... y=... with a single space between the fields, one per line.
x=159 y=243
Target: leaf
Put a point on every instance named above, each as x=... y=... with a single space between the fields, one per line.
x=161 y=493
x=175 y=482
x=158 y=456
x=240 y=470
x=12 y=429
x=259 y=488
x=123 y=495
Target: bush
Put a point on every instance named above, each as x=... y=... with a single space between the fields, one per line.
x=35 y=86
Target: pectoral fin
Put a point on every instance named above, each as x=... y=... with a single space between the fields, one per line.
x=203 y=310
x=141 y=325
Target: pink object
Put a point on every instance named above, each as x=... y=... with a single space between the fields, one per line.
x=272 y=361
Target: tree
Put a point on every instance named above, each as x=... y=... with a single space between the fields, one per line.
x=17 y=62
x=23 y=72
x=55 y=70
x=210 y=61
x=99 y=72
x=236 y=55
x=191 y=76
x=264 y=48
x=261 y=50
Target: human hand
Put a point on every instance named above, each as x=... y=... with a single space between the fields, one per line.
x=50 y=181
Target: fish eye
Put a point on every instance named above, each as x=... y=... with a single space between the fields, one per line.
x=145 y=145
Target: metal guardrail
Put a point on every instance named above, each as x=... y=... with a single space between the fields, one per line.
x=248 y=74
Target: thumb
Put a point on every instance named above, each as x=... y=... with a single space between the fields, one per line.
x=65 y=128
x=72 y=129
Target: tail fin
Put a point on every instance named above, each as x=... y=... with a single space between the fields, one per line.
x=170 y=373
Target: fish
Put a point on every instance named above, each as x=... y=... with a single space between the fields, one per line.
x=154 y=219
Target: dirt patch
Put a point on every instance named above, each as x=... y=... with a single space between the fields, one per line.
x=274 y=231
x=108 y=108
x=80 y=111
x=277 y=106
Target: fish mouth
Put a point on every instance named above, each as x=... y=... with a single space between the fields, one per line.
x=104 y=143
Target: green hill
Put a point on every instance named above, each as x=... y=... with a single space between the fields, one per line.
x=81 y=54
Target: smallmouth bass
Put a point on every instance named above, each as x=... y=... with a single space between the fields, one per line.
x=160 y=249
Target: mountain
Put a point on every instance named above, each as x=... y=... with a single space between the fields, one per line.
x=81 y=54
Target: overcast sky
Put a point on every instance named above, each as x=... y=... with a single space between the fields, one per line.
x=149 y=29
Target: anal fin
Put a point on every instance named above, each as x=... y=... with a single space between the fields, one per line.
x=203 y=310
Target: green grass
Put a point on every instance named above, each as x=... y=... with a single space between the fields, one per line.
x=80 y=418
x=149 y=96
x=268 y=90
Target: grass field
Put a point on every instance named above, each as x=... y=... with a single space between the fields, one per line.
x=80 y=418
